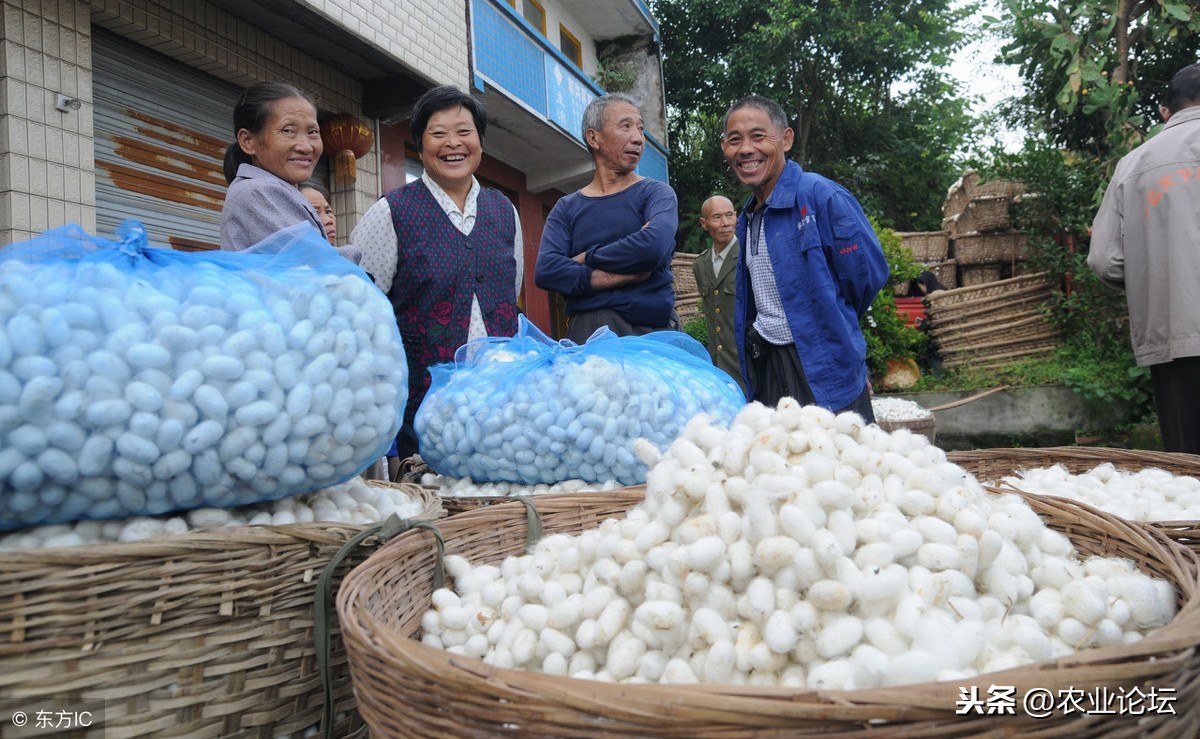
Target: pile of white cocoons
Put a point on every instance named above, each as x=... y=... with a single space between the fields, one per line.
x=123 y=393
x=465 y=487
x=1143 y=495
x=558 y=420
x=801 y=549
x=355 y=502
x=898 y=409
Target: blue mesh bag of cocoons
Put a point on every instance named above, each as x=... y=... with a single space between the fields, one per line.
x=531 y=410
x=140 y=380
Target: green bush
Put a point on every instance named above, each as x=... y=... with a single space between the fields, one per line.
x=884 y=329
x=1096 y=359
x=697 y=326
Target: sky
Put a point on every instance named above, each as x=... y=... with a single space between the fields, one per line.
x=973 y=66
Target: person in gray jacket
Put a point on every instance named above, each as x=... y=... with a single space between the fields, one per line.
x=277 y=147
x=1146 y=241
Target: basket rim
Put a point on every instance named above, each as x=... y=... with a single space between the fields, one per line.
x=733 y=707
x=213 y=538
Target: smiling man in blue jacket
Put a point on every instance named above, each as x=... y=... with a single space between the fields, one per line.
x=809 y=268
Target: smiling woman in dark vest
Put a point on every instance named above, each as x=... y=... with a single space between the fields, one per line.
x=447 y=252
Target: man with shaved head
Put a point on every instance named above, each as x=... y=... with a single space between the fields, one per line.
x=716 y=278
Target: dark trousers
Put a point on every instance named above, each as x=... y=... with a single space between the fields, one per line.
x=1177 y=399
x=776 y=372
x=583 y=325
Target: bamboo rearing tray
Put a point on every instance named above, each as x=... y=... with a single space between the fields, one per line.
x=926 y=246
x=406 y=688
x=203 y=634
x=994 y=464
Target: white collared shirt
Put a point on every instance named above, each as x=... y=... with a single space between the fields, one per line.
x=375 y=235
x=719 y=259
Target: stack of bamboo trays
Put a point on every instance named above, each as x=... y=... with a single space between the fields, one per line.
x=976 y=215
x=932 y=249
x=687 y=295
x=994 y=324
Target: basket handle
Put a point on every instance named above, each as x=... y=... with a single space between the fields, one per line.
x=533 y=523
x=322 y=616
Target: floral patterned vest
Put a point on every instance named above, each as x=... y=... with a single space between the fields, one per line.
x=438 y=271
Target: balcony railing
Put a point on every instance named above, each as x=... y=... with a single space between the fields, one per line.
x=512 y=56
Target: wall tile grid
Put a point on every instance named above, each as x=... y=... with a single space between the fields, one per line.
x=428 y=35
x=46 y=157
x=41 y=164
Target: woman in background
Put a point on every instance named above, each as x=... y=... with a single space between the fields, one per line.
x=278 y=145
x=319 y=198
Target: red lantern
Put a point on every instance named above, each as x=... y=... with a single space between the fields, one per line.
x=346 y=139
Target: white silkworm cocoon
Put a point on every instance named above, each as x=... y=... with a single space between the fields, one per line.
x=678 y=672
x=830 y=595
x=874 y=555
x=706 y=553
x=870 y=666
x=911 y=667
x=938 y=557
x=882 y=634
x=1080 y=601
x=774 y=553
x=779 y=633
x=1150 y=604
x=839 y=636
x=835 y=674
x=623 y=656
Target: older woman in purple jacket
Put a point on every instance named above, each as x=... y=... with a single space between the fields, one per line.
x=278 y=145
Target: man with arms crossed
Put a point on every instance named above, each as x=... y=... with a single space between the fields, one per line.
x=607 y=248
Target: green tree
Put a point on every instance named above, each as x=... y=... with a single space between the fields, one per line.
x=833 y=65
x=1097 y=70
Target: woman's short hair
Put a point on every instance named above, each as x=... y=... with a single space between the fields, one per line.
x=444 y=98
x=594 y=113
x=252 y=111
x=310 y=185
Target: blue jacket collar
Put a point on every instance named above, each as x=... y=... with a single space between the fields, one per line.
x=785 y=184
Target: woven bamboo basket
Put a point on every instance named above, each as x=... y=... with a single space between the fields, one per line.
x=990 y=248
x=1025 y=327
x=968 y=188
x=946 y=272
x=985 y=214
x=994 y=464
x=408 y=689
x=979 y=274
x=996 y=292
x=203 y=634
x=1000 y=353
x=687 y=295
x=926 y=246
x=989 y=319
x=1017 y=304
x=926 y=427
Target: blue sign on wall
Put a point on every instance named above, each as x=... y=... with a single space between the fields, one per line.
x=566 y=97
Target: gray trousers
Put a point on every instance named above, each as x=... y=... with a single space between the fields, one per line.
x=582 y=325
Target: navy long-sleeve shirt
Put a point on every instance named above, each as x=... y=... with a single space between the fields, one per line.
x=628 y=232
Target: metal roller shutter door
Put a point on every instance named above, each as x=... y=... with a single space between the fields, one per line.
x=161 y=130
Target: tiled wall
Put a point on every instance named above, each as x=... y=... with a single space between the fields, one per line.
x=46 y=167
x=46 y=158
